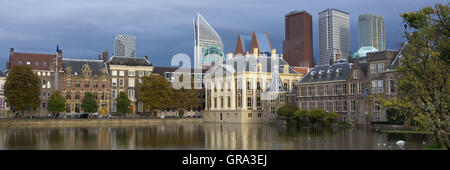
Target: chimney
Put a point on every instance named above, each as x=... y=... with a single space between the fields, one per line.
x=11 y=51
x=99 y=57
x=274 y=53
x=146 y=57
x=230 y=55
x=105 y=56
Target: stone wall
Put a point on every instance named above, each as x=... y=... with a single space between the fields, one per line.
x=22 y=122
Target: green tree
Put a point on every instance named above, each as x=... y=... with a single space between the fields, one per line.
x=123 y=103
x=332 y=116
x=89 y=103
x=155 y=92
x=56 y=103
x=301 y=114
x=185 y=99
x=22 y=89
x=424 y=71
x=287 y=110
x=315 y=115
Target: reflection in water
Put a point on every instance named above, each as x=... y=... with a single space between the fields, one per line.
x=202 y=136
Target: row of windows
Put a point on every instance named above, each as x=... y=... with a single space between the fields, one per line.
x=86 y=84
x=334 y=106
x=130 y=73
x=131 y=82
x=331 y=89
x=378 y=87
x=78 y=95
x=36 y=63
x=131 y=93
x=375 y=69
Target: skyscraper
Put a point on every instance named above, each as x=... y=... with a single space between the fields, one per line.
x=334 y=35
x=125 y=46
x=298 y=44
x=208 y=46
x=371 y=31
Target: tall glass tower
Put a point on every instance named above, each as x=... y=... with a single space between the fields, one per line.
x=371 y=31
x=208 y=46
x=125 y=46
x=334 y=35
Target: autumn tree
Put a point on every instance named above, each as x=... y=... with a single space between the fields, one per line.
x=155 y=92
x=423 y=73
x=89 y=103
x=56 y=103
x=22 y=89
x=123 y=103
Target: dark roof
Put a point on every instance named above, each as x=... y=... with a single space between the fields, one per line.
x=242 y=63
x=129 y=61
x=2 y=74
x=313 y=75
x=77 y=64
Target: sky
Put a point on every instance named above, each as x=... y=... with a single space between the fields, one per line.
x=163 y=28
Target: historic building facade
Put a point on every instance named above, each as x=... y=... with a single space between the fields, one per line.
x=82 y=76
x=125 y=75
x=236 y=89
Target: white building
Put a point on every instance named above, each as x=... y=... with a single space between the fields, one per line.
x=371 y=31
x=237 y=89
x=334 y=35
x=208 y=47
x=125 y=46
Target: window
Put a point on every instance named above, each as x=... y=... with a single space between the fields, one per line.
x=249 y=85
x=114 y=72
x=19 y=62
x=103 y=84
x=249 y=102
x=77 y=107
x=360 y=89
x=95 y=95
x=353 y=105
x=131 y=73
x=249 y=114
x=147 y=73
x=259 y=114
x=77 y=84
x=103 y=95
x=377 y=106
x=344 y=88
x=121 y=73
x=68 y=83
x=68 y=107
x=215 y=102
x=28 y=63
x=44 y=63
x=272 y=110
x=229 y=101
x=141 y=74
x=114 y=81
x=68 y=95
x=258 y=85
x=281 y=98
x=380 y=67
x=121 y=82
x=344 y=105
x=113 y=107
x=221 y=102
x=258 y=102
x=36 y=63
x=39 y=73
x=374 y=86
x=131 y=94
x=352 y=88
x=113 y=93
x=86 y=84
x=131 y=82
x=335 y=106
x=355 y=74
x=380 y=86
x=95 y=84
x=44 y=83
x=391 y=86
x=77 y=95
x=373 y=68
x=335 y=90
x=286 y=86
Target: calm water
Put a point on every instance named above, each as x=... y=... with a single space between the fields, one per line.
x=203 y=136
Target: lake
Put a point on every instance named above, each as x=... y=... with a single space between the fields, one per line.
x=205 y=136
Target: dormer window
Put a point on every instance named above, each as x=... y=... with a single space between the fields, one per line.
x=338 y=72
x=321 y=73
x=286 y=69
x=329 y=72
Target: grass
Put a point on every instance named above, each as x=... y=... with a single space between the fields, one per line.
x=434 y=147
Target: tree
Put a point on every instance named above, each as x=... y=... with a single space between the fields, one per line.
x=185 y=99
x=22 y=89
x=287 y=110
x=89 y=103
x=316 y=115
x=301 y=114
x=56 y=103
x=424 y=71
x=393 y=115
x=331 y=116
x=155 y=92
x=123 y=103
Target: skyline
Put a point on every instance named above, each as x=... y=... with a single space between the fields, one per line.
x=164 y=28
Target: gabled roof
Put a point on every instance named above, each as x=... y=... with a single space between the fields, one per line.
x=263 y=42
x=77 y=65
x=129 y=61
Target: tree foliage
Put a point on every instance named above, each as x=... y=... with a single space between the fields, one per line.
x=287 y=110
x=56 y=103
x=89 y=103
x=423 y=72
x=123 y=103
x=155 y=92
x=22 y=89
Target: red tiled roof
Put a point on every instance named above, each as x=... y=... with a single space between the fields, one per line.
x=33 y=59
x=301 y=70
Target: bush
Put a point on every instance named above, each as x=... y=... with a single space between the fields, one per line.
x=287 y=110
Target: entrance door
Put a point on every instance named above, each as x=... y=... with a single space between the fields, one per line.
x=131 y=107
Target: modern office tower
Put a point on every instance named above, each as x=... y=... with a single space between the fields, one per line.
x=125 y=46
x=371 y=31
x=298 y=43
x=334 y=36
x=208 y=48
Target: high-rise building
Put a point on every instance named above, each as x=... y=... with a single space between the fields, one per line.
x=208 y=46
x=334 y=35
x=298 y=43
x=125 y=46
x=371 y=31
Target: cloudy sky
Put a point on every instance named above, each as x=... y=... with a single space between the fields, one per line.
x=84 y=28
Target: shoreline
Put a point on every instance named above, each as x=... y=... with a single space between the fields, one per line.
x=85 y=122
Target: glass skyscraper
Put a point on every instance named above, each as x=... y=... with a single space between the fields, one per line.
x=334 y=35
x=371 y=31
x=208 y=46
x=125 y=46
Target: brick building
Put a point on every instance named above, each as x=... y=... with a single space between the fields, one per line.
x=298 y=43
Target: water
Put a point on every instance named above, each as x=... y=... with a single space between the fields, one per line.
x=204 y=136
